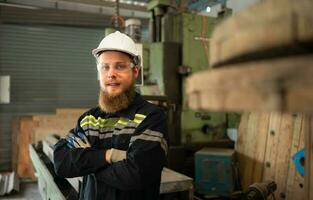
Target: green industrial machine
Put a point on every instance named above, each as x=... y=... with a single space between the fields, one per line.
x=197 y=126
x=180 y=46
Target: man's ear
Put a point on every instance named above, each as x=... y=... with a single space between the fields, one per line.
x=136 y=70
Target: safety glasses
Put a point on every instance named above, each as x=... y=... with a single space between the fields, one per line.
x=117 y=66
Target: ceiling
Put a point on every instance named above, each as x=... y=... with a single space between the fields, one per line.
x=106 y=7
x=127 y=8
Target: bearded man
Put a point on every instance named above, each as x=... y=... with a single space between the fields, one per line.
x=120 y=146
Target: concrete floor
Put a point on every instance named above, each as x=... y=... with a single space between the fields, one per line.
x=28 y=191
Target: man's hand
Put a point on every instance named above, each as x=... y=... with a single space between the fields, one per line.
x=79 y=141
x=114 y=155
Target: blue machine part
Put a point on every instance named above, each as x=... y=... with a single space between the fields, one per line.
x=298 y=160
x=214 y=172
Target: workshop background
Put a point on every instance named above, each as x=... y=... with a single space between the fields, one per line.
x=227 y=139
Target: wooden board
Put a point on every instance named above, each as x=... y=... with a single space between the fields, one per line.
x=60 y=123
x=295 y=182
x=282 y=155
x=262 y=28
x=266 y=144
x=15 y=143
x=70 y=111
x=24 y=168
x=32 y=129
x=251 y=150
x=269 y=85
x=49 y=124
x=308 y=184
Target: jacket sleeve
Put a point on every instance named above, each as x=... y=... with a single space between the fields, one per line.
x=74 y=162
x=145 y=158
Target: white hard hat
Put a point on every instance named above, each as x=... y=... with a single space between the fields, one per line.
x=118 y=41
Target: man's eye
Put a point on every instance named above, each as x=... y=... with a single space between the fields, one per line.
x=105 y=67
x=121 y=66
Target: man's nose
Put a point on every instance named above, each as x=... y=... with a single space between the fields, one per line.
x=111 y=72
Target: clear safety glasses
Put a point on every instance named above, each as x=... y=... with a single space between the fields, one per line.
x=118 y=66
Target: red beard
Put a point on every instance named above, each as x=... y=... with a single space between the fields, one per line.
x=111 y=104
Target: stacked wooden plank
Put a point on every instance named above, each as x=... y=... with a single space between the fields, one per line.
x=32 y=129
x=263 y=61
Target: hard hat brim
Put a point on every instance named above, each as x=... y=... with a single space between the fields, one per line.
x=95 y=52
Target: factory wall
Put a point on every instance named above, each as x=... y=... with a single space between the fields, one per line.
x=50 y=66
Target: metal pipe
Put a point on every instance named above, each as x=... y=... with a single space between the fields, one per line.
x=117 y=14
x=117 y=7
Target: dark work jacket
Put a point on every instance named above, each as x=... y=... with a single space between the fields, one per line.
x=140 y=130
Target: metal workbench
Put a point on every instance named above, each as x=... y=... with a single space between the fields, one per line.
x=171 y=181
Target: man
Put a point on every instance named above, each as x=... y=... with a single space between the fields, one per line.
x=120 y=146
